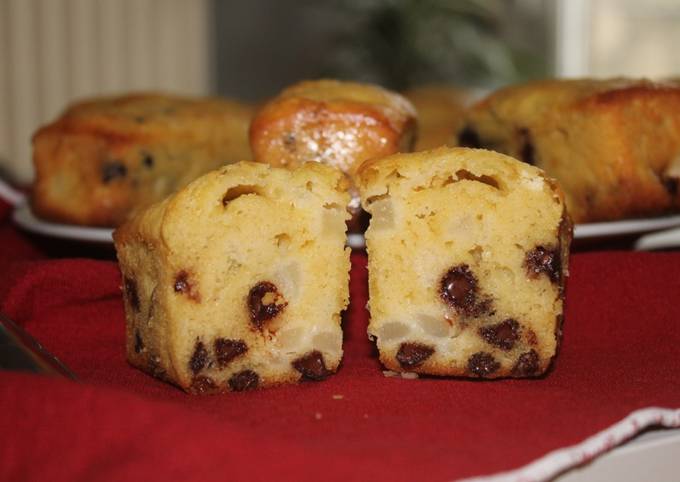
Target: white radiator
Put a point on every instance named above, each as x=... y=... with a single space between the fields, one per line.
x=55 y=51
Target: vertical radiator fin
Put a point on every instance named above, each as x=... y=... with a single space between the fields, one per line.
x=53 y=52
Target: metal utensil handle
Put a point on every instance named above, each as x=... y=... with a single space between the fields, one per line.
x=20 y=351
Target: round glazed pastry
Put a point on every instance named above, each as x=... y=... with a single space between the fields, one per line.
x=341 y=124
x=467 y=259
x=237 y=281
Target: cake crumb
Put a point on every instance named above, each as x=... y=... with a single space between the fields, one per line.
x=338 y=397
x=318 y=416
x=404 y=375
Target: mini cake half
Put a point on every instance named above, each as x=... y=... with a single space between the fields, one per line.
x=238 y=280
x=467 y=259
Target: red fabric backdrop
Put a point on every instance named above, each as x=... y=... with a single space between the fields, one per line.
x=620 y=352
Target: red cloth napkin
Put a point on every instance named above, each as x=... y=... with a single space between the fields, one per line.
x=620 y=353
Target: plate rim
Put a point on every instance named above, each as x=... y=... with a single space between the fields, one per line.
x=625 y=226
x=23 y=216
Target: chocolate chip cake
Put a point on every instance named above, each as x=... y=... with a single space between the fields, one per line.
x=441 y=114
x=337 y=123
x=104 y=157
x=237 y=281
x=613 y=145
x=467 y=259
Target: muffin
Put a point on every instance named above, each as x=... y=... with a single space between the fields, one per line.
x=104 y=157
x=237 y=281
x=613 y=145
x=441 y=114
x=467 y=260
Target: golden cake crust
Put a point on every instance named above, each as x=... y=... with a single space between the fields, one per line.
x=441 y=114
x=614 y=145
x=104 y=157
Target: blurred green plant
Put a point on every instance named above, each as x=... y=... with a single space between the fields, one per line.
x=402 y=43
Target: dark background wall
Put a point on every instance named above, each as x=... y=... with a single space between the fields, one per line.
x=262 y=46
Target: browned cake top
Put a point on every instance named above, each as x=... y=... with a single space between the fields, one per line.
x=144 y=113
x=105 y=156
x=441 y=114
x=613 y=144
x=533 y=99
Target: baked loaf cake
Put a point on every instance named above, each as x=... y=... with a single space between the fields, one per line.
x=613 y=145
x=237 y=281
x=441 y=115
x=467 y=259
x=104 y=157
x=337 y=123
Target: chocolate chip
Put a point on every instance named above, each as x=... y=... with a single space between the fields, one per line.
x=226 y=350
x=590 y=199
x=312 y=366
x=532 y=339
x=527 y=153
x=130 y=287
x=154 y=366
x=112 y=170
x=543 y=260
x=147 y=160
x=183 y=284
x=139 y=344
x=527 y=364
x=244 y=380
x=469 y=137
x=411 y=355
x=482 y=364
x=201 y=385
x=199 y=360
x=503 y=334
x=458 y=288
x=671 y=185
x=264 y=302
x=289 y=141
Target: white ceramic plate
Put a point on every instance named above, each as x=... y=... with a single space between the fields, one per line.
x=25 y=218
x=624 y=227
